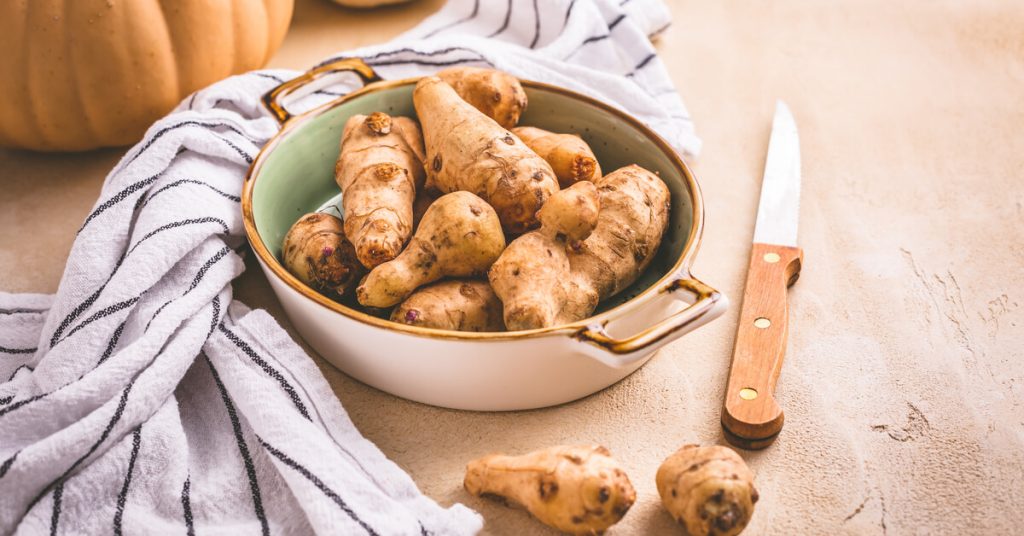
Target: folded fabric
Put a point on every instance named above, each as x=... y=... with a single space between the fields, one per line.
x=140 y=398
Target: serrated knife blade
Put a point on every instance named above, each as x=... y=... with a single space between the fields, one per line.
x=778 y=213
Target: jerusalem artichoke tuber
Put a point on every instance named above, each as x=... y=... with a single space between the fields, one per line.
x=316 y=251
x=575 y=489
x=460 y=236
x=569 y=156
x=379 y=170
x=460 y=305
x=496 y=94
x=710 y=490
x=543 y=283
x=467 y=150
x=532 y=275
x=635 y=206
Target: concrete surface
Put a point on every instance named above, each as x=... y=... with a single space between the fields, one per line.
x=904 y=382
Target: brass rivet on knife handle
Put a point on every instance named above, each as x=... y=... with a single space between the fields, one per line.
x=751 y=416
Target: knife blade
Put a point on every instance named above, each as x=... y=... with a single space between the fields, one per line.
x=751 y=417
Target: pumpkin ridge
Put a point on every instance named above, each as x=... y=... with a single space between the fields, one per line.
x=74 y=79
x=171 y=45
x=31 y=108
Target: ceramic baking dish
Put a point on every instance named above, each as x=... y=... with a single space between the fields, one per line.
x=294 y=174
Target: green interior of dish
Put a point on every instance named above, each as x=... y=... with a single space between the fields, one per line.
x=297 y=177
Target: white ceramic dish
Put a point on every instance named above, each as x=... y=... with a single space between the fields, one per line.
x=293 y=175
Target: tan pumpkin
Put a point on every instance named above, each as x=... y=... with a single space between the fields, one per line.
x=81 y=74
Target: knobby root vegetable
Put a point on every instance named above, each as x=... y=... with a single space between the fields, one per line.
x=542 y=283
x=634 y=214
x=575 y=489
x=569 y=156
x=379 y=171
x=532 y=276
x=460 y=236
x=496 y=94
x=316 y=251
x=467 y=150
x=460 y=305
x=710 y=490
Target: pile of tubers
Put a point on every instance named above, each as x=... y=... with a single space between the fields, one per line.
x=465 y=221
x=583 y=490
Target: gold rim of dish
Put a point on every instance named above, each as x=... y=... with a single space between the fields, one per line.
x=680 y=270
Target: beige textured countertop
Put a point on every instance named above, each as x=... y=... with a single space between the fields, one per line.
x=904 y=382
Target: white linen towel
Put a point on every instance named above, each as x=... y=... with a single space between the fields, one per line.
x=141 y=399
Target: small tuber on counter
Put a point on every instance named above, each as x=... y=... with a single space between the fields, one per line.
x=379 y=170
x=468 y=151
x=455 y=304
x=569 y=156
x=575 y=489
x=710 y=490
x=316 y=251
x=459 y=236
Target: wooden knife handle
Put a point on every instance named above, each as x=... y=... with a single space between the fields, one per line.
x=751 y=417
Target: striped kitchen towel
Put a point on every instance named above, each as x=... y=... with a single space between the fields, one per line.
x=140 y=398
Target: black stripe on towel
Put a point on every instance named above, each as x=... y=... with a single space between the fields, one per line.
x=430 y=54
x=567 y=13
x=117 y=198
x=20 y=311
x=19 y=404
x=4 y=350
x=536 y=25
x=315 y=480
x=58 y=492
x=102 y=313
x=6 y=400
x=206 y=267
x=195 y=282
x=8 y=463
x=175 y=225
x=122 y=497
x=250 y=469
x=281 y=80
x=85 y=305
x=596 y=38
x=88 y=302
x=17 y=370
x=215 y=320
x=180 y=182
x=643 y=63
x=372 y=60
x=245 y=156
x=508 y=18
x=112 y=343
x=439 y=63
x=658 y=32
x=59 y=483
x=189 y=123
x=471 y=16
x=271 y=371
x=186 y=507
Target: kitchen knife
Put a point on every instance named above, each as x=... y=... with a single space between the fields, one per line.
x=751 y=417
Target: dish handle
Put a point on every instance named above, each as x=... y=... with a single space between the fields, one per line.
x=707 y=305
x=313 y=80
